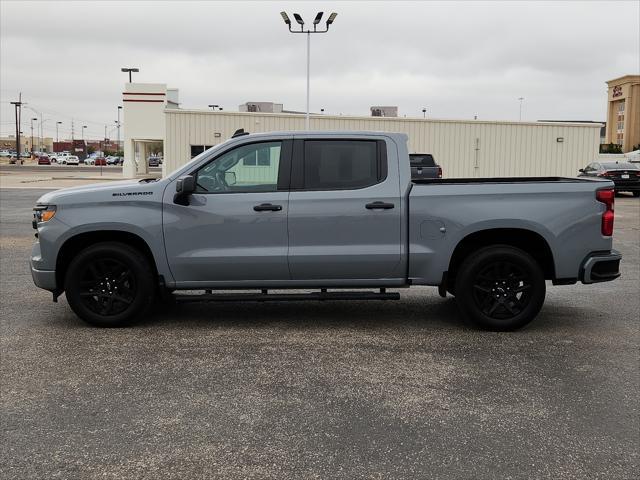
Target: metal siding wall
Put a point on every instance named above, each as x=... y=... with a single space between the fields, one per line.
x=506 y=148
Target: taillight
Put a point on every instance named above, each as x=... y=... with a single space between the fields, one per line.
x=608 y=198
x=439 y=172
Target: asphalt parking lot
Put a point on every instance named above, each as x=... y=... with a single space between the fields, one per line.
x=333 y=390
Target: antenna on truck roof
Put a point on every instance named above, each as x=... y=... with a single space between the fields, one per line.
x=238 y=133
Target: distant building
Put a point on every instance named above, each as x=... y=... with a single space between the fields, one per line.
x=39 y=144
x=623 y=112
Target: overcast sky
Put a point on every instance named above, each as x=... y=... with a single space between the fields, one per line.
x=459 y=59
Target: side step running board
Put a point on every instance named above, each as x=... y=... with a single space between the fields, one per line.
x=287 y=297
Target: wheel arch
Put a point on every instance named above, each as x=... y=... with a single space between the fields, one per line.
x=526 y=240
x=78 y=242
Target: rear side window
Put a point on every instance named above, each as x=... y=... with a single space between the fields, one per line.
x=341 y=164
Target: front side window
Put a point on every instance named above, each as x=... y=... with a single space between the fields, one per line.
x=340 y=164
x=235 y=171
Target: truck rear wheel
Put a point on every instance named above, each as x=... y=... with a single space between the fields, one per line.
x=109 y=284
x=500 y=288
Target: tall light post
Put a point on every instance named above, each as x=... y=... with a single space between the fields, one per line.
x=32 y=119
x=129 y=70
x=424 y=112
x=213 y=107
x=118 y=144
x=83 y=127
x=520 y=116
x=57 y=135
x=300 y=22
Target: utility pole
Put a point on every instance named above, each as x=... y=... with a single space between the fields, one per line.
x=17 y=108
x=72 y=134
x=424 y=112
x=57 y=134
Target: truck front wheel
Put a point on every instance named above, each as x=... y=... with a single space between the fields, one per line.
x=109 y=284
x=500 y=288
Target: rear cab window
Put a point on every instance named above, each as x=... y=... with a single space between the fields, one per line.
x=422 y=160
x=338 y=164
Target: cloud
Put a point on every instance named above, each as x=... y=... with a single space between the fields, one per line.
x=456 y=58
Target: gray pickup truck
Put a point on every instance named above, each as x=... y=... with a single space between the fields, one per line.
x=335 y=212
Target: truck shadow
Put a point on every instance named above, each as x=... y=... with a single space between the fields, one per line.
x=406 y=313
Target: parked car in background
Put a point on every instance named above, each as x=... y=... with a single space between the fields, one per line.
x=625 y=175
x=43 y=159
x=4 y=153
x=58 y=157
x=153 y=161
x=113 y=160
x=70 y=160
x=100 y=162
x=13 y=157
x=633 y=157
x=423 y=165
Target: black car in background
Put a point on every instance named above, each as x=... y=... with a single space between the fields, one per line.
x=625 y=175
x=423 y=165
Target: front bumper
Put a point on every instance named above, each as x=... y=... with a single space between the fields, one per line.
x=600 y=267
x=44 y=278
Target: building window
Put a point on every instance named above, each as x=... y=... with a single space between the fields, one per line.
x=198 y=149
x=620 y=126
x=260 y=157
x=621 y=108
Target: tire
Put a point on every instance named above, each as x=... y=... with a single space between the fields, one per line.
x=121 y=278
x=500 y=288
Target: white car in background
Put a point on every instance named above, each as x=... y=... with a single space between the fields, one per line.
x=58 y=157
x=69 y=160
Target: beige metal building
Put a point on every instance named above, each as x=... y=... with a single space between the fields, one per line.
x=623 y=112
x=470 y=148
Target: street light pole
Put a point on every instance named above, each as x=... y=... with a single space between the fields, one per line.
x=424 y=112
x=520 y=116
x=32 y=119
x=57 y=135
x=129 y=70
x=118 y=144
x=300 y=22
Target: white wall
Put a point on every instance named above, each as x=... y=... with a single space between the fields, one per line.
x=464 y=148
x=143 y=118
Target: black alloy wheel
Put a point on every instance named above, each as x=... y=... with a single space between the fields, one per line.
x=500 y=288
x=107 y=286
x=110 y=284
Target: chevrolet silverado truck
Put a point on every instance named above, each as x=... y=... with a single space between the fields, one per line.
x=332 y=212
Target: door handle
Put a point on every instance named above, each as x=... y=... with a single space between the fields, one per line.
x=267 y=207
x=379 y=206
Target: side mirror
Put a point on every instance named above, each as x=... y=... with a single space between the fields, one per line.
x=581 y=170
x=185 y=186
x=230 y=178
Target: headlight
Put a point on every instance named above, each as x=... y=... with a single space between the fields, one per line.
x=43 y=213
